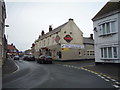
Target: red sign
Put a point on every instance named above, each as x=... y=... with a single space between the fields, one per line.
x=68 y=38
x=57 y=39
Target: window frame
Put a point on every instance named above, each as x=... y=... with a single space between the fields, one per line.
x=112 y=57
x=110 y=31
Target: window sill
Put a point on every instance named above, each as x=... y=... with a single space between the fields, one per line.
x=108 y=34
x=109 y=58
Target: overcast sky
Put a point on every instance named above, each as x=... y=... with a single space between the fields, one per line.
x=26 y=19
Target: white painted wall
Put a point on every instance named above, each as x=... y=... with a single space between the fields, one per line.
x=107 y=40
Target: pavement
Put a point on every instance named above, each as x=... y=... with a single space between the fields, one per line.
x=8 y=67
x=110 y=70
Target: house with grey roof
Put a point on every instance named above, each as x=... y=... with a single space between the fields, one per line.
x=63 y=43
x=88 y=51
x=106 y=25
x=66 y=42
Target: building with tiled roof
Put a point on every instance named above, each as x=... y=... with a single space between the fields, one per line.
x=12 y=50
x=63 y=43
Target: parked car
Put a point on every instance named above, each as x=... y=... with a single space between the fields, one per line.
x=25 y=57
x=44 y=59
x=29 y=58
x=16 y=57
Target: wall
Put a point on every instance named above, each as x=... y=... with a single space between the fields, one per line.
x=119 y=35
x=107 y=40
x=77 y=34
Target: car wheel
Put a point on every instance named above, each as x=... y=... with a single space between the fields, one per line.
x=42 y=62
x=51 y=62
x=37 y=61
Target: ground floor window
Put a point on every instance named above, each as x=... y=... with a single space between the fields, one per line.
x=90 y=53
x=109 y=52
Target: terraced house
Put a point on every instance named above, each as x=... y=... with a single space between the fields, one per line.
x=106 y=32
x=62 y=43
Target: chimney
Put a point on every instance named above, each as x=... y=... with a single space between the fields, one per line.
x=42 y=33
x=91 y=36
x=11 y=44
x=50 y=28
x=33 y=45
x=70 y=19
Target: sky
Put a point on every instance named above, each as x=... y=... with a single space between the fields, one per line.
x=26 y=19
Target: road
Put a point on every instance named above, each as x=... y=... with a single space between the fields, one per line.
x=33 y=75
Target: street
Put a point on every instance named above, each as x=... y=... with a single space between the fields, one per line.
x=66 y=75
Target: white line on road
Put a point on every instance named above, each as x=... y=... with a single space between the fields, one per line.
x=17 y=67
x=113 y=79
x=103 y=77
x=106 y=80
x=116 y=86
x=117 y=82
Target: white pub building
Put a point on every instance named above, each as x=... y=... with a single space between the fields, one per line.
x=62 y=43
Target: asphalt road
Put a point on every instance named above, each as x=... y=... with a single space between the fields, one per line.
x=33 y=75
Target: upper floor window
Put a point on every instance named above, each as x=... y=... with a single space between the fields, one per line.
x=44 y=42
x=53 y=38
x=108 y=27
x=64 y=31
x=48 y=41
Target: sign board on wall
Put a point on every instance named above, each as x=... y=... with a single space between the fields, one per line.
x=76 y=46
x=65 y=49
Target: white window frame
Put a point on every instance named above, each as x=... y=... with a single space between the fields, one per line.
x=108 y=53
x=110 y=26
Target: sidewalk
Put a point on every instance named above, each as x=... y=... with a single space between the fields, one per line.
x=112 y=70
x=8 y=67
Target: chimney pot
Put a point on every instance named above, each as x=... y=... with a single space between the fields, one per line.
x=91 y=36
x=42 y=33
x=50 y=28
x=70 y=19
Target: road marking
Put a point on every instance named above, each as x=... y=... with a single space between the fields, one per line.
x=105 y=75
x=17 y=67
x=117 y=82
x=116 y=86
x=113 y=79
x=101 y=75
x=109 y=77
x=95 y=73
x=106 y=80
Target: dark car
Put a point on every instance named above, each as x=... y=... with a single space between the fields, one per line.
x=16 y=57
x=44 y=59
x=25 y=57
x=29 y=58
